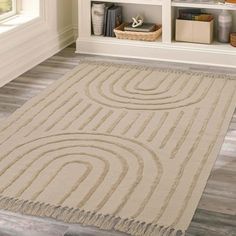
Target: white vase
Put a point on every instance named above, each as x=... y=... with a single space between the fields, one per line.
x=98 y=11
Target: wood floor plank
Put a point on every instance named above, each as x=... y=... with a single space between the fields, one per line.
x=17 y=225
x=216 y=212
x=211 y=223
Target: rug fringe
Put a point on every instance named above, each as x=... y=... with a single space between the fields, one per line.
x=141 y=66
x=87 y=218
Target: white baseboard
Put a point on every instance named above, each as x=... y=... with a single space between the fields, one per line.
x=33 y=51
x=170 y=52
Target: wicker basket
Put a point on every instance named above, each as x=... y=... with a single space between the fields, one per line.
x=144 y=36
x=233 y=39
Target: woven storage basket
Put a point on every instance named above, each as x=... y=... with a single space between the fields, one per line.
x=233 y=39
x=144 y=36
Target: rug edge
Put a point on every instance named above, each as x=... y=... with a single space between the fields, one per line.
x=145 y=66
x=87 y=218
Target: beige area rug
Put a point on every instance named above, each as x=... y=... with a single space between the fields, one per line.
x=116 y=147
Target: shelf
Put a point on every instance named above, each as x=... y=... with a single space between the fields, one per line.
x=214 y=47
x=164 y=49
x=146 y=2
x=204 y=5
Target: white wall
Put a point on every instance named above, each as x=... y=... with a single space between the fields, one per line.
x=75 y=15
x=150 y=14
x=31 y=43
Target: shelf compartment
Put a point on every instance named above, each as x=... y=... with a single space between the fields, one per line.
x=151 y=14
x=215 y=11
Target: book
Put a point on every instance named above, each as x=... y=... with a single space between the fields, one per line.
x=108 y=5
x=194 y=14
x=204 y=17
x=114 y=19
x=108 y=24
x=145 y=27
x=188 y=14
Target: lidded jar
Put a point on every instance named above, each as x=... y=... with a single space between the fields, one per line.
x=224 y=26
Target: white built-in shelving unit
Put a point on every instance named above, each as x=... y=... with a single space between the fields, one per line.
x=165 y=48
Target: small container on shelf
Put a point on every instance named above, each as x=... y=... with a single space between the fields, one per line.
x=233 y=39
x=194 y=31
x=134 y=35
x=224 y=26
x=194 y=26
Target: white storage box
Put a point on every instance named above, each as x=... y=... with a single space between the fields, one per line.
x=194 y=31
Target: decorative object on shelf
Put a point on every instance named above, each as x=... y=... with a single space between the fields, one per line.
x=224 y=26
x=134 y=35
x=137 y=21
x=98 y=11
x=233 y=39
x=138 y=25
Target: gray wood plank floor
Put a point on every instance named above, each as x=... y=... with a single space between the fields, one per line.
x=216 y=213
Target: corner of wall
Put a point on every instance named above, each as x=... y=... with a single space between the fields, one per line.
x=39 y=43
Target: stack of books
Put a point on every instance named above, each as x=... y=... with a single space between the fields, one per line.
x=112 y=19
x=145 y=27
x=194 y=14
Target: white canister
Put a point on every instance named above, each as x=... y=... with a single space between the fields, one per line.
x=98 y=11
x=224 y=26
